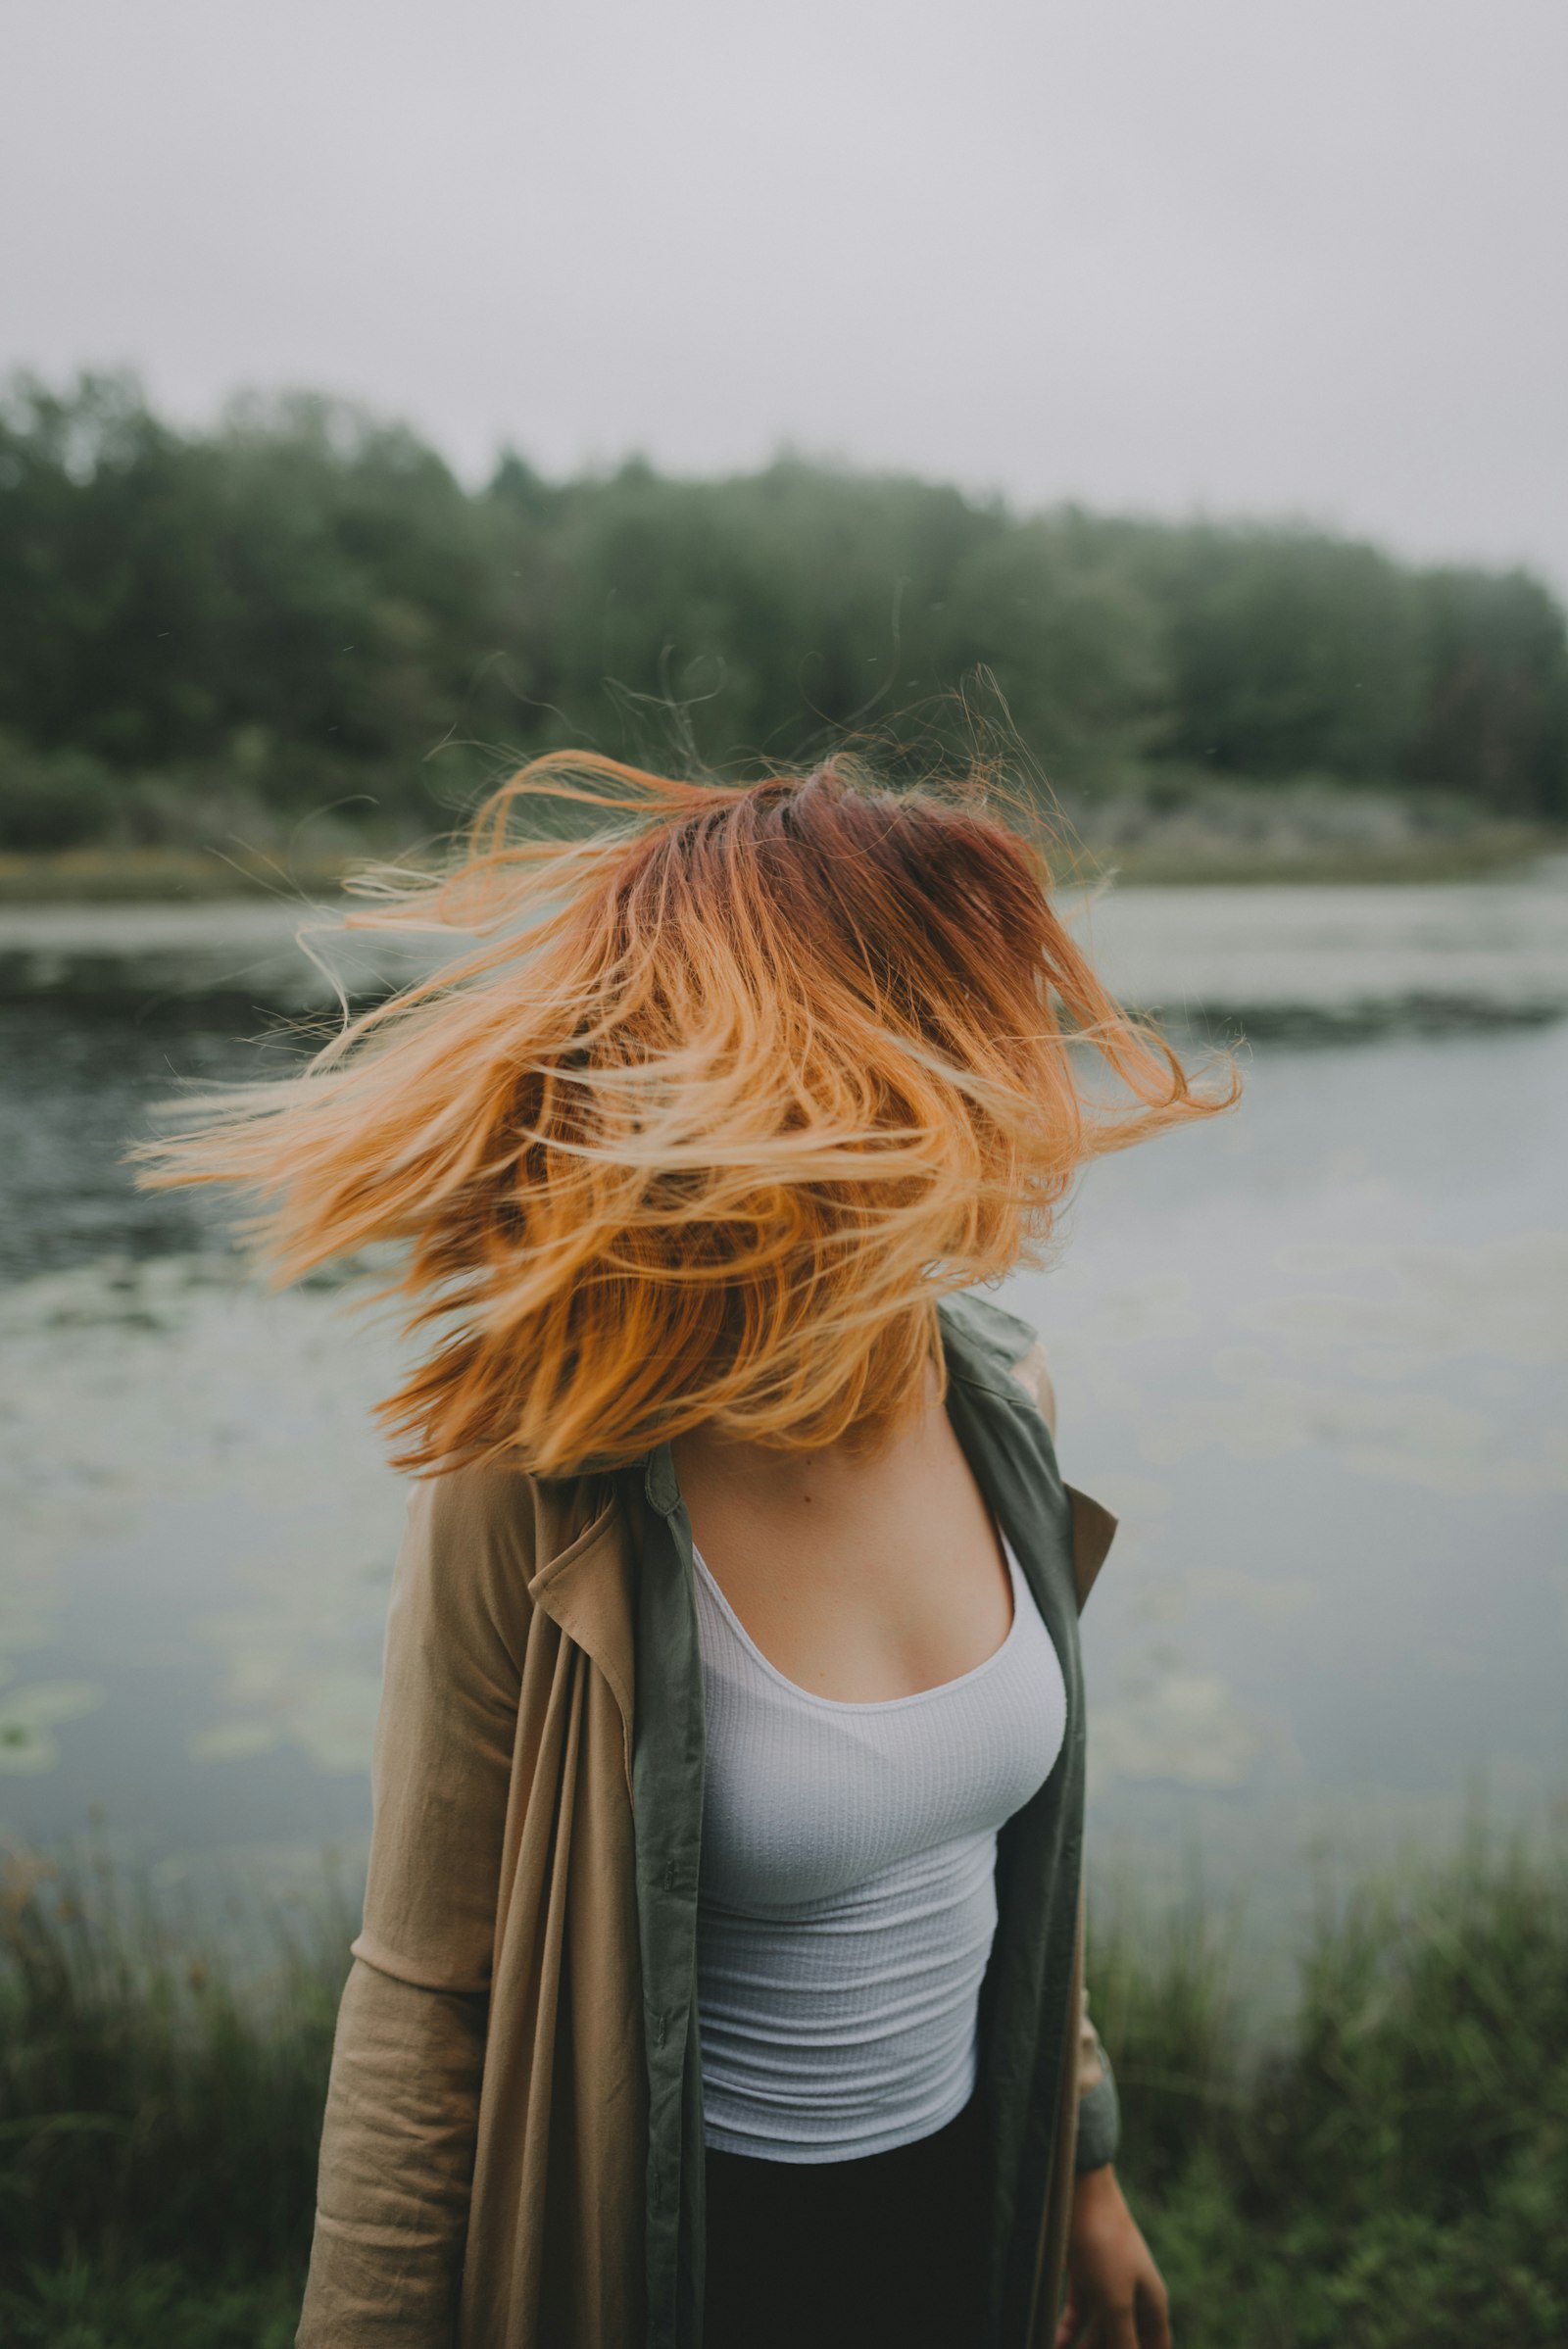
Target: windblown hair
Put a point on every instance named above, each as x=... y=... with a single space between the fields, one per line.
x=721 y=1099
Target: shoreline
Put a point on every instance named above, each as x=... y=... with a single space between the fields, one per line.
x=1282 y=957
x=1188 y=857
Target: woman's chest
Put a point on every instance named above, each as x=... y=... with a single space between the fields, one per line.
x=861 y=1582
x=806 y=1799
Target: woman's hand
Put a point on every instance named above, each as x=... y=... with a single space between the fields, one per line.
x=1116 y=2297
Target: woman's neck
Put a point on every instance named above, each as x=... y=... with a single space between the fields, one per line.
x=827 y=1472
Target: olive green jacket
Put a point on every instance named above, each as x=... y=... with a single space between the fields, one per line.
x=512 y=2151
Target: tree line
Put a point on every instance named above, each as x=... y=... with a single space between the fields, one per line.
x=304 y=606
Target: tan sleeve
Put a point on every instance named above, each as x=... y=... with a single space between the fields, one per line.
x=402 y=2105
x=1099 y=2106
x=1092 y=2067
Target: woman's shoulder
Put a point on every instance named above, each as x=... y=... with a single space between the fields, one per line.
x=1003 y=1340
x=496 y=1501
x=1004 y=1345
x=476 y=1536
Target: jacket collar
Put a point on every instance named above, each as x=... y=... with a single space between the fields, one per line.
x=661 y=1484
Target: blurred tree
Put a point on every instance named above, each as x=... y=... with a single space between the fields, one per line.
x=1054 y=607
x=1290 y=653
x=770 y=609
x=304 y=593
x=304 y=605
x=1496 y=717
x=99 y=551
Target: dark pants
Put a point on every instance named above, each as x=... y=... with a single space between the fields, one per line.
x=884 y=2253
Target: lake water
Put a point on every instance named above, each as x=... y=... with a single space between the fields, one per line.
x=1315 y=1355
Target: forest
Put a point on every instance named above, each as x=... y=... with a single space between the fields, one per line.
x=304 y=608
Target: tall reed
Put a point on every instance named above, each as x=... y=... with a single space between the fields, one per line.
x=1386 y=2167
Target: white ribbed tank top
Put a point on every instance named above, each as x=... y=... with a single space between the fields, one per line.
x=847 y=1897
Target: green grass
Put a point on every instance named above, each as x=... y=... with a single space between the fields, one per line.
x=158 y=2121
x=80 y=2304
x=1385 y=2166
x=1389 y=2168
x=168 y=875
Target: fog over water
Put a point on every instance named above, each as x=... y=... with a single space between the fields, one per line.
x=1315 y=1355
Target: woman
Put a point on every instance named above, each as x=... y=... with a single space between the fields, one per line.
x=720 y=1979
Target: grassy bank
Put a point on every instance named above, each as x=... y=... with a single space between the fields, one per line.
x=163 y=876
x=1389 y=2168
x=1205 y=832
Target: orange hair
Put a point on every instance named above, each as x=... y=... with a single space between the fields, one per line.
x=726 y=1094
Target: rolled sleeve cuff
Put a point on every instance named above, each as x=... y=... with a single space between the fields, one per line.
x=1098 y=2123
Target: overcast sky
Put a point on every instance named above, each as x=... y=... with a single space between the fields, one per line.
x=1283 y=256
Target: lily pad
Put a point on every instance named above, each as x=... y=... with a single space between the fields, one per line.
x=30 y=1716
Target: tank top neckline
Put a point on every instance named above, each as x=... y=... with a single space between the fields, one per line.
x=874 y=1704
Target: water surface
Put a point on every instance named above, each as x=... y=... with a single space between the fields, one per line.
x=1315 y=1355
